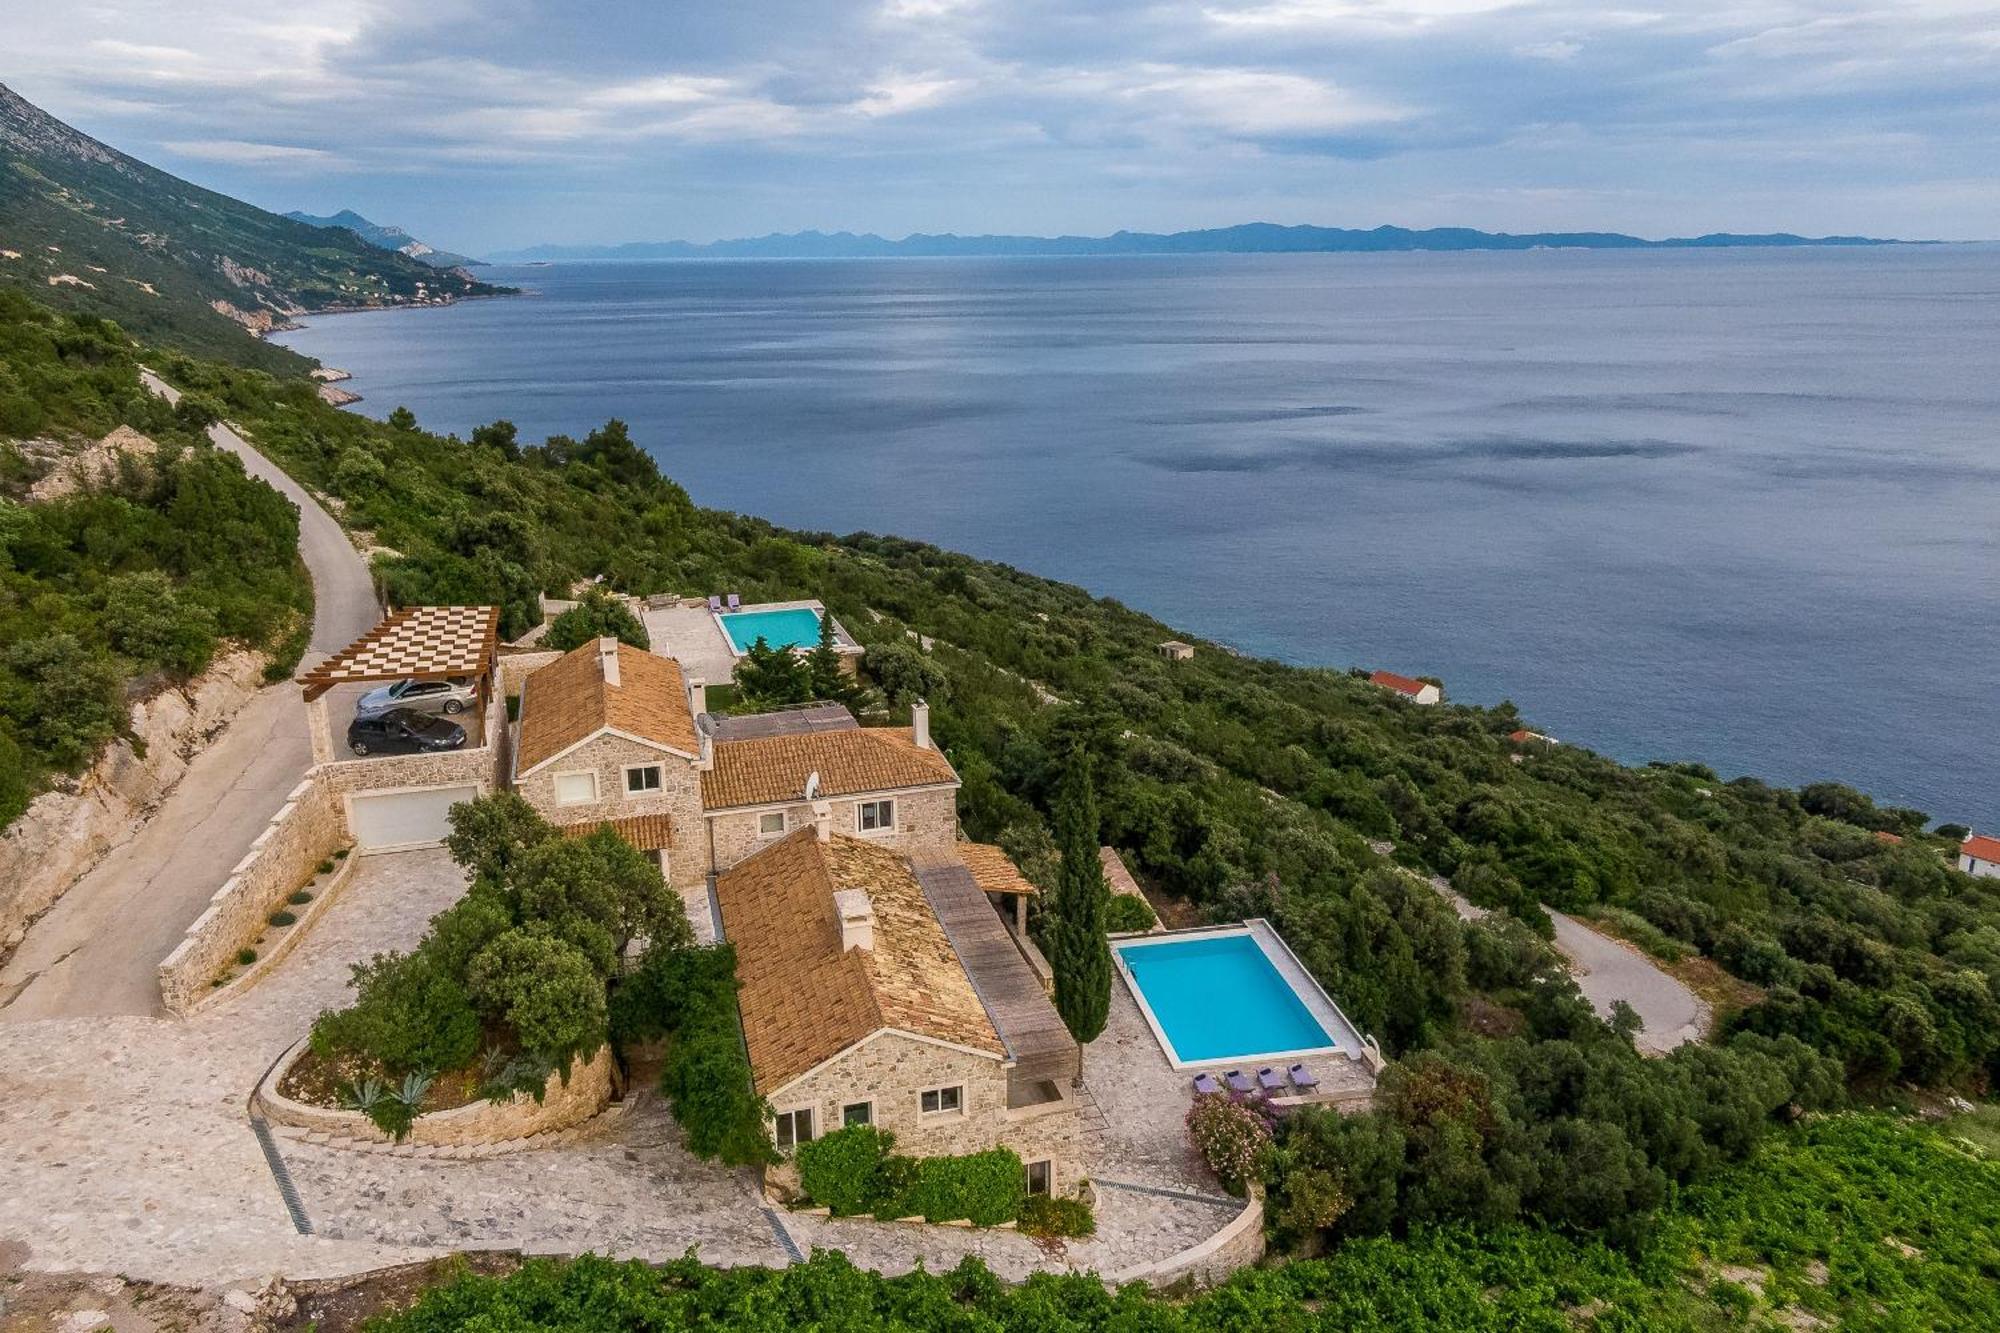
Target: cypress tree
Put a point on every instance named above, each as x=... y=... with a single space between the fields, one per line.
x=1078 y=953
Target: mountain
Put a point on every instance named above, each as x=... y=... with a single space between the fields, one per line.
x=1249 y=238
x=87 y=228
x=387 y=238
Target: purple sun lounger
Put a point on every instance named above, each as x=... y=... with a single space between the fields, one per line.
x=1205 y=1084
x=1302 y=1078
x=715 y=604
x=1237 y=1080
x=1270 y=1080
x=735 y=602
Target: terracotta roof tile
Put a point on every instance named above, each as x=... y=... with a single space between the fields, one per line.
x=649 y=833
x=992 y=869
x=1982 y=847
x=804 y=999
x=1400 y=684
x=568 y=701
x=769 y=769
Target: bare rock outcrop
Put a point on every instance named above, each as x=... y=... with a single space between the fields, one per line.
x=63 y=833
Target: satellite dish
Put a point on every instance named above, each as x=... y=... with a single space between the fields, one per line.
x=812 y=785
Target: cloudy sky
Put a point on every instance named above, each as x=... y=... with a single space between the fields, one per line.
x=480 y=124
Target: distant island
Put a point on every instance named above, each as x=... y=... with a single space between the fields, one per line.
x=1249 y=238
x=385 y=237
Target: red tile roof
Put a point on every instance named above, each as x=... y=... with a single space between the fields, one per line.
x=1400 y=684
x=1984 y=848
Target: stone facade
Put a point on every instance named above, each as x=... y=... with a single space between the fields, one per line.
x=926 y=819
x=474 y=1124
x=608 y=756
x=480 y=766
x=892 y=1070
x=304 y=832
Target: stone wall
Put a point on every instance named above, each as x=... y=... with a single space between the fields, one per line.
x=476 y=765
x=476 y=1123
x=517 y=667
x=307 y=830
x=925 y=820
x=679 y=798
x=63 y=834
x=893 y=1070
x=1238 y=1244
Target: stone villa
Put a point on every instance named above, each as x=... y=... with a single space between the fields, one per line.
x=879 y=982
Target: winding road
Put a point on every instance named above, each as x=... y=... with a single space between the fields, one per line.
x=98 y=949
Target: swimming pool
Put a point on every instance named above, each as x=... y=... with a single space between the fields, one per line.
x=1218 y=996
x=791 y=627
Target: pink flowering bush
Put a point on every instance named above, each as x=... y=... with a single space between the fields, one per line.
x=1233 y=1135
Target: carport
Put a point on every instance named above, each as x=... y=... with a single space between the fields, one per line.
x=399 y=802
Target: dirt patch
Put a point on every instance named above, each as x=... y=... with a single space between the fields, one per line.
x=98 y=1301
x=318 y=1082
x=341 y=1305
x=1488 y=1018
x=1723 y=994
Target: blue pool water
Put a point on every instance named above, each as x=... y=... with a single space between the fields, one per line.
x=1219 y=998
x=797 y=627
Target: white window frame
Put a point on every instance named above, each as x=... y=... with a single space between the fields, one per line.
x=790 y=1119
x=778 y=832
x=557 y=784
x=1048 y=1167
x=957 y=1091
x=658 y=789
x=881 y=830
x=868 y=1102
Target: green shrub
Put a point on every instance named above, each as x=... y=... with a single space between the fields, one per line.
x=1233 y=1136
x=245 y=957
x=599 y=614
x=1636 y=929
x=281 y=918
x=407 y=1014
x=985 y=1188
x=1048 y=1217
x=1125 y=912
x=324 y=867
x=840 y=1170
x=300 y=898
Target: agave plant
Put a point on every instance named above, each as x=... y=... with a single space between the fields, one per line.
x=415 y=1084
x=363 y=1096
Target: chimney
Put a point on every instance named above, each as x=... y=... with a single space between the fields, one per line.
x=823 y=820
x=857 y=919
x=920 y=724
x=607 y=658
x=697 y=696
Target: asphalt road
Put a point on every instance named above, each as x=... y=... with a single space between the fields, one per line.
x=97 y=951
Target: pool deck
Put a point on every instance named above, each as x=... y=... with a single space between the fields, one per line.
x=693 y=635
x=1347 y=1039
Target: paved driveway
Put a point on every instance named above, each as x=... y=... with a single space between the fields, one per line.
x=1607 y=971
x=98 y=949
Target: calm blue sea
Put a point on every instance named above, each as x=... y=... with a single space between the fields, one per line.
x=1741 y=507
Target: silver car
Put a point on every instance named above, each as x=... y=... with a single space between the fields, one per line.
x=423 y=696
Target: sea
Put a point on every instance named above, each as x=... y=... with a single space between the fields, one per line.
x=1737 y=507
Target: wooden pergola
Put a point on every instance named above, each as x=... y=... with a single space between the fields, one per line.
x=414 y=643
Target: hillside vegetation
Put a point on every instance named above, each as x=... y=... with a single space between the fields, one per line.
x=1860 y=1222
x=85 y=228
x=130 y=585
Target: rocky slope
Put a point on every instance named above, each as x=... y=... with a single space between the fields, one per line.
x=85 y=227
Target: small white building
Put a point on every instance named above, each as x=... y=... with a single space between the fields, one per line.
x=1980 y=855
x=1176 y=651
x=1416 y=691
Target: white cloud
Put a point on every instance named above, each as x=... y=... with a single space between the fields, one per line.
x=247 y=153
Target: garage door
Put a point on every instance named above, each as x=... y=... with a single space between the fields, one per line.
x=399 y=820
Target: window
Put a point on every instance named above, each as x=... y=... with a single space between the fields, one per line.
x=794 y=1127
x=771 y=825
x=575 y=788
x=639 y=781
x=938 y=1101
x=875 y=817
x=1039 y=1176
x=857 y=1113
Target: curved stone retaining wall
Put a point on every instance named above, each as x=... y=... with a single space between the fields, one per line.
x=472 y=1125
x=1239 y=1244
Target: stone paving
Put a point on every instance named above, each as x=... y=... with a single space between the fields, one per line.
x=125 y=1147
